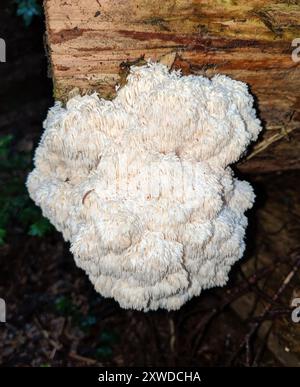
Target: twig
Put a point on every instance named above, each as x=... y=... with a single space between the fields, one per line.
x=84 y=359
x=266 y=143
x=255 y=325
x=285 y=131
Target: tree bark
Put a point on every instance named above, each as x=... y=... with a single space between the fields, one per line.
x=92 y=43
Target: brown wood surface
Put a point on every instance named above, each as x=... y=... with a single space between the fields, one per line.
x=91 y=43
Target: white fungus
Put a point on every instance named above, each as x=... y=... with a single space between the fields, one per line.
x=141 y=188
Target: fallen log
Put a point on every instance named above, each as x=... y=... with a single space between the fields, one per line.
x=92 y=43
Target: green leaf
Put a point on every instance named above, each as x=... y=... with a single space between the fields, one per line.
x=29 y=215
x=65 y=306
x=108 y=337
x=40 y=228
x=5 y=142
x=104 y=352
x=27 y=9
x=87 y=321
x=2 y=236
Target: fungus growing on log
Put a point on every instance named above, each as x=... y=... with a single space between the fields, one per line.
x=141 y=185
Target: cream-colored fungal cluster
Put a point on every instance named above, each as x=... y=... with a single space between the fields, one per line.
x=141 y=187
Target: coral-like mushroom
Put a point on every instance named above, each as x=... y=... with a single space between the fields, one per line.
x=141 y=187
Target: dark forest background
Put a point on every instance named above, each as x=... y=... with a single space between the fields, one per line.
x=54 y=316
